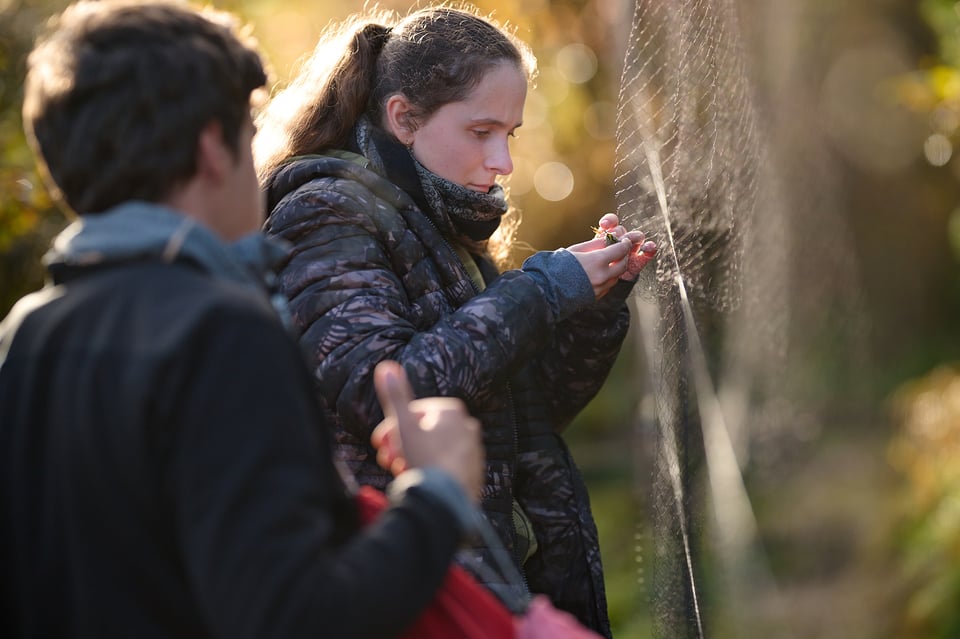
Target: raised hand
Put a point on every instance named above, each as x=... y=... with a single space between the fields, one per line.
x=433 y=431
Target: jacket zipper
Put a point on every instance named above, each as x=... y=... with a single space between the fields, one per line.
x=513 y=414
x=516 y=456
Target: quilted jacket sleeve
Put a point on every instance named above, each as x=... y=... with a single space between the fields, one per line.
x=574 y=367
x=371 y=280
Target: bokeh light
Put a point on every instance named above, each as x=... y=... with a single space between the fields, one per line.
x=870 y=130
x=938 y=149
x=553 y=181
x=577 y=63
x=520 y=181
x=552 y=86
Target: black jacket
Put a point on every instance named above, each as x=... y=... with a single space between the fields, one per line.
x=164 y=472
x=371 y=277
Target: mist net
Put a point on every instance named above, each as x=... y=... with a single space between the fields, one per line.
x=695 y=172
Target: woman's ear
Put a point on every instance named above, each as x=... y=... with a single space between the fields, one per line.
x=398 y=113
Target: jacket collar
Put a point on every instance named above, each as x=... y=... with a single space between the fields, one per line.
x=141 y=230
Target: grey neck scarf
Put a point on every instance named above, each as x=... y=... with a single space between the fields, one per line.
x=476 y=215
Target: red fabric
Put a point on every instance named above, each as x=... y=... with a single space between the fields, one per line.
x=543 y=621
x=462 y=607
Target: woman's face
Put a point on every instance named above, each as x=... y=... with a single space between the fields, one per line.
x=467 y=142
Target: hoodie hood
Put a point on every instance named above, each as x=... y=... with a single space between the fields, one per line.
x=142 y=230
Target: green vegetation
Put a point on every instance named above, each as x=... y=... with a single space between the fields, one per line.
x=925 y=450
x=27 y=217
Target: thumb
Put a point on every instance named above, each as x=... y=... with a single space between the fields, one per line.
x=592 y=244
x=393 y=390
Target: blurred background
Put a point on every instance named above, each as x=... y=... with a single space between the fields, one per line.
x=856 y=488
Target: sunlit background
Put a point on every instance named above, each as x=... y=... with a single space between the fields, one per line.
x=859 y=513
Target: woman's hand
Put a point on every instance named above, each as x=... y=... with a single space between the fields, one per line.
x=615 y=253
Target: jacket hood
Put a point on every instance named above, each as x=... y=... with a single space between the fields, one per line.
x=142 y=230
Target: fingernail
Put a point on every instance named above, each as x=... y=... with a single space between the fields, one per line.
x=390 y=377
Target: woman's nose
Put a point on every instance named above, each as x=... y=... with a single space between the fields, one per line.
x=499 y=160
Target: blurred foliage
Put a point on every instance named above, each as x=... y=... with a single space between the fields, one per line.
x=934 y=88
x=926 y=447
x=27 y=217
x=937 y=84
x=943 y=18
x=925 y=451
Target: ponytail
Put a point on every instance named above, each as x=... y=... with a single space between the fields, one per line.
x=320 y=107
x=344 y=98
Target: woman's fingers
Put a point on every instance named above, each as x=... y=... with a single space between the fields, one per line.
x=639 y=259
x=608 y=221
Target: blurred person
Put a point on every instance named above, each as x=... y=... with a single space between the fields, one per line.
x=381 y=161
x=164 y=468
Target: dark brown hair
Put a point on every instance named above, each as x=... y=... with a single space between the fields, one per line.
x=433 y=56
x=117 y=93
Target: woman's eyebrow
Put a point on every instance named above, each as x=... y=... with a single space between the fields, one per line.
x=495 y=122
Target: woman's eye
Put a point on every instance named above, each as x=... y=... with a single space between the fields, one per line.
x=480 y=133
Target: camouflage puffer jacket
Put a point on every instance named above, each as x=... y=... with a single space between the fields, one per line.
x=371 y=278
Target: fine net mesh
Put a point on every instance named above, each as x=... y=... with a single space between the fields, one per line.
x=687 y=143
x=698 y=170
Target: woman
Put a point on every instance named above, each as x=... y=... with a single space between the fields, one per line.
x=380 y=163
